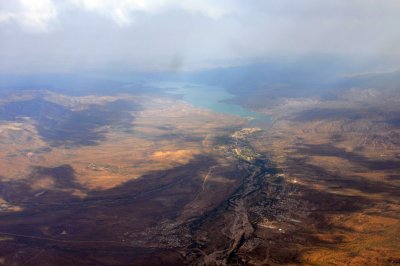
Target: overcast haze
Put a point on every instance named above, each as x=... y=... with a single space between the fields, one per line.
x=74 y=35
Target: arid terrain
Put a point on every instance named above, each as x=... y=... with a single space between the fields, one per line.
x=199 y=133
x=341 y=158
x=148 y=179
x=115 y=179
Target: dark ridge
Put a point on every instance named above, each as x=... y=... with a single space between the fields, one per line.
x=330 y=150
x=60 y=126
x=36 y=108
x=395 y=121
x=338 y=182
x=72 y=84
x=92 y=238
x=393 y=177
x=63 y=176
x=327 y=113
x=389 y=80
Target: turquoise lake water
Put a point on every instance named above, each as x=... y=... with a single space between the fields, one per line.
x=209 y=97
x=212 y=98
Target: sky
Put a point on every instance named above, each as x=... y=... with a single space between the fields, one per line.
x=157 y=35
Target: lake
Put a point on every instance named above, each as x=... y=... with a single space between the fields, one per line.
x=212 y=98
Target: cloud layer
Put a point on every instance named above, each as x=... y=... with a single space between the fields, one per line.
x=73 y=35
x=33 y=16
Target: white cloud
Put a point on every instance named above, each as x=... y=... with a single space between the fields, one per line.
x=166 y=33
x=33 y=15
x=123 y=11
x=38 y=15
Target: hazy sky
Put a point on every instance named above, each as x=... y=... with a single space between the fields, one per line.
x=74 y=35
